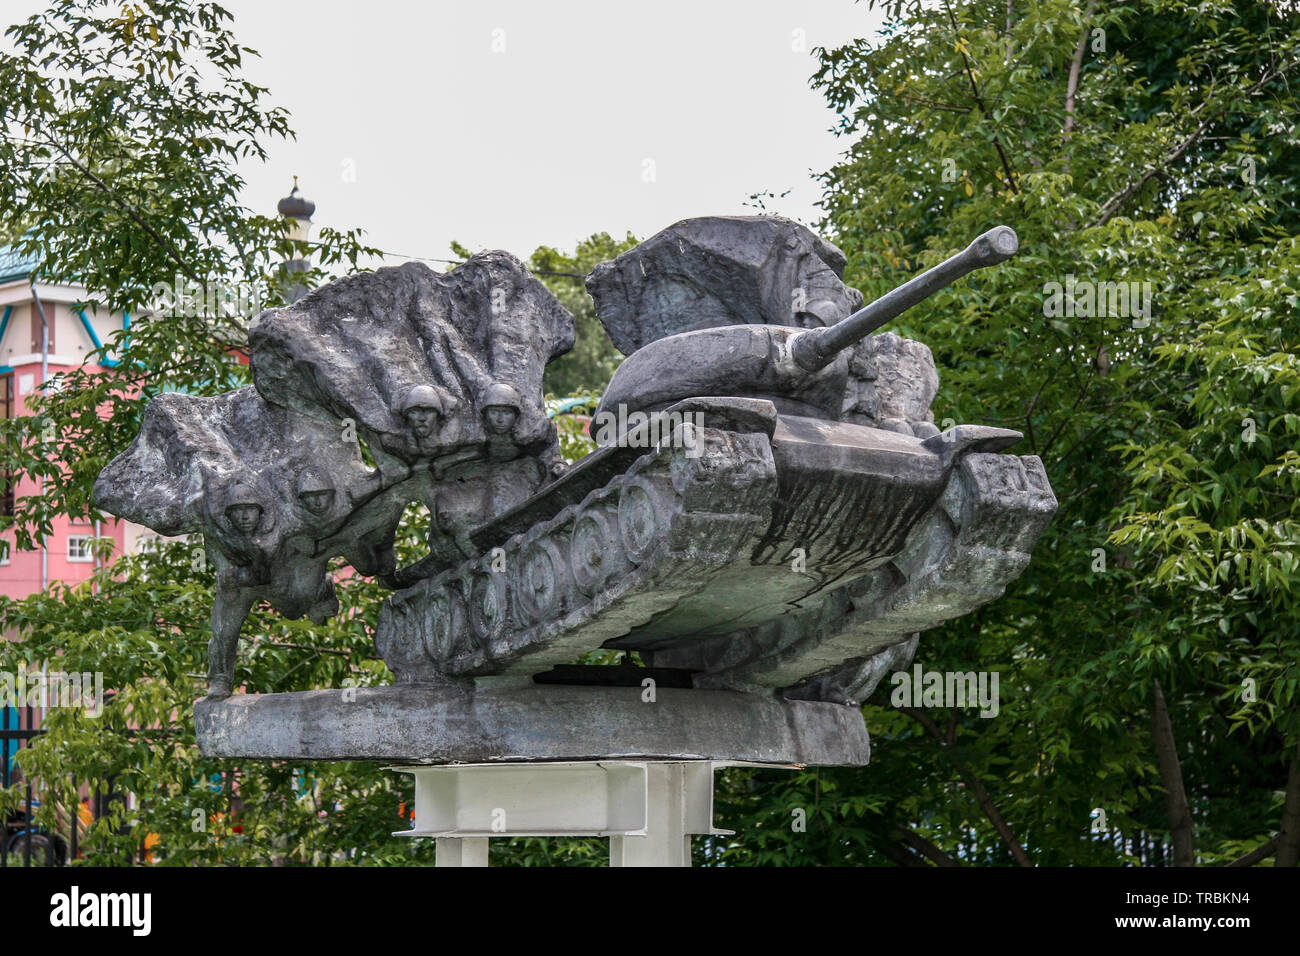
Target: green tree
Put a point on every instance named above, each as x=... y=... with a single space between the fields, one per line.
x=123 y=129
x=1148 y=142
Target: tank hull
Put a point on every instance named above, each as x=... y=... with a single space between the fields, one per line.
x=761 y=550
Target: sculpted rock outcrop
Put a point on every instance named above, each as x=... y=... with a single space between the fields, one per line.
x=891 y=383
x=359 y=348
x=717 y=271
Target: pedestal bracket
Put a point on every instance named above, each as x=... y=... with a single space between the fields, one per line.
x=649 y=810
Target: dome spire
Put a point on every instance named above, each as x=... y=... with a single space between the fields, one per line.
x=295 y=206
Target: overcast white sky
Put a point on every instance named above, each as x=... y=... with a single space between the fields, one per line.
x=514 y=124
x=548 y=140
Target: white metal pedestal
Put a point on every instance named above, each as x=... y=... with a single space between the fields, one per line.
x=455 y=851
x=648 y=809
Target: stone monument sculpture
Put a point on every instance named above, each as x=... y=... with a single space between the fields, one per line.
x=771 y=523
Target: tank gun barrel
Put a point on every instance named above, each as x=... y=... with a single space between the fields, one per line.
x=816 y=348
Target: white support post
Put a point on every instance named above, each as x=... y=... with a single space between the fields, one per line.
x=667 y=839
x=455 y=851
x=648 y=809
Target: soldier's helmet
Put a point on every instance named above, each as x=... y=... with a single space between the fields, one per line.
x=240 y=497
x=422 y=396
x=242 y=494
x=501 y=395
x=311 y=481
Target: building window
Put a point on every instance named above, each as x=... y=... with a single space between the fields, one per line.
x=79 y=547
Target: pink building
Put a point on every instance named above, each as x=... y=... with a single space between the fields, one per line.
x=43 y=331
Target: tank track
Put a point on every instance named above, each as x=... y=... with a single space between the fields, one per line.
x=605 y=571
x=628 y=551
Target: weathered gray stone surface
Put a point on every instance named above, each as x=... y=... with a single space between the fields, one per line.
x=777 y=549
x=356 y=347
x=719 y=271
x=963 y=553
x=416 y=723
x=692 y=561
x=803 y=371
x=891 y=383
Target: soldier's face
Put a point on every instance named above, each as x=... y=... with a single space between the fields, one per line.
x=245 y=518
x=317 y=502
x=422 y=421
x=500 y=418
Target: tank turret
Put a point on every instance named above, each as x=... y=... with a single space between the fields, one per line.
x=802 y=371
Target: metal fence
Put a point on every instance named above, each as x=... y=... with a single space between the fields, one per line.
x=26 y=842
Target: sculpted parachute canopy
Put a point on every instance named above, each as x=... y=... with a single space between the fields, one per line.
x=406 y=361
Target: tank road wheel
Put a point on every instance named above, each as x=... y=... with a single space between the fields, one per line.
x=487 y=606
x=441 y=623
x=541 y=581
x=638 y=519
x=590 y=550
x=393 y=633
x=402 y=627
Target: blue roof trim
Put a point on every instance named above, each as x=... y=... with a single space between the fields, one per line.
x=4 y=325
x=90 y=330
x=563 y=407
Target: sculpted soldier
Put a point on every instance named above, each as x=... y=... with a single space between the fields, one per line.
x=501 y=405
x=423 y=409
x=259 y=558
x=239 y=534
x=315 y=493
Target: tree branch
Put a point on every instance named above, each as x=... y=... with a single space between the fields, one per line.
x=979 y=99
x=1011 y=9
x=981 y=795
x=166 y=246
x=1076 y=64
x=1112 y=205
x=900 y=855
x=1171 y=775
x=923 y=846
x=1262 y=852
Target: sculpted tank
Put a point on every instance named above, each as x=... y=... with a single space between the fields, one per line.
x=771 y=505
